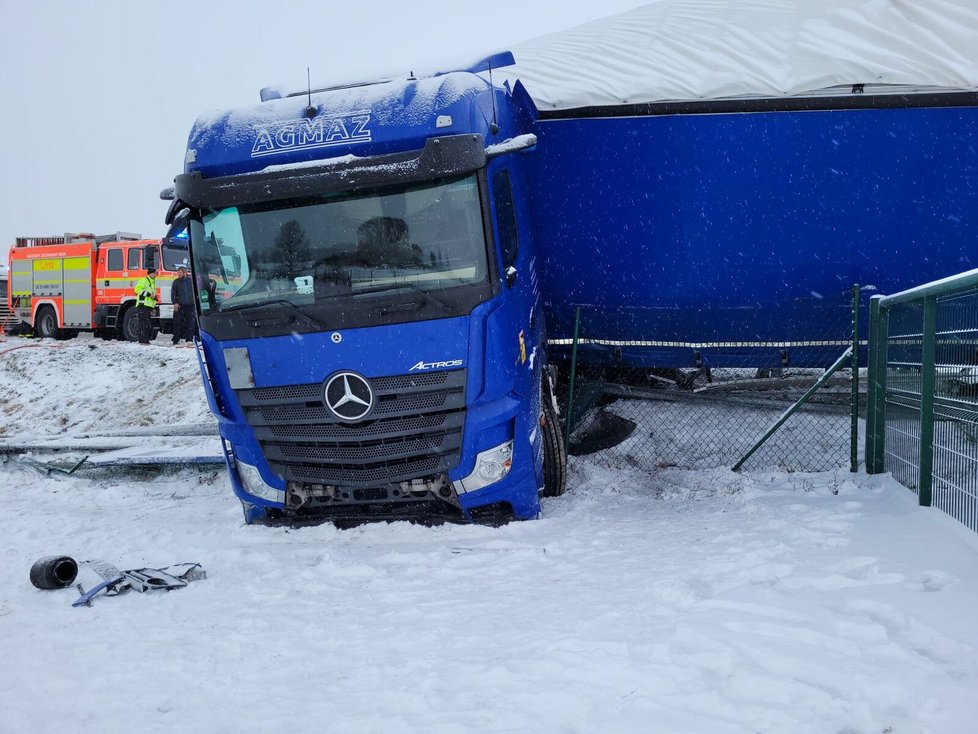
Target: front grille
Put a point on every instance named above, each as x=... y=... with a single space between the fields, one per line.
x=415 y=430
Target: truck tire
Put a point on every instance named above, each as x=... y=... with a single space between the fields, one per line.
x=54 y=572
x=554 y=452
x=130 y=326
x=46 y=323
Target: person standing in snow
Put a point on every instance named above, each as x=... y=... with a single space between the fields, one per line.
x=181 y=293
x=145 y=303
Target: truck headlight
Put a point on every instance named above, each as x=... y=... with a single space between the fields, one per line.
x=490 y=467
x=253 y=483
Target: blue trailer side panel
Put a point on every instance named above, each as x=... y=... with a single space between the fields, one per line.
x=708 y=232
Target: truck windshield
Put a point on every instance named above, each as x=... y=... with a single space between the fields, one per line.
x=176 y=252
x=303 y=251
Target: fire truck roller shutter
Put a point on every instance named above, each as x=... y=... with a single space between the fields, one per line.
x=78 y=291
x=21 y=278
x=48 y=277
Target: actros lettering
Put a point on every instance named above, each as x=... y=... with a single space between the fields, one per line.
x=319 y=133
x=436 y=365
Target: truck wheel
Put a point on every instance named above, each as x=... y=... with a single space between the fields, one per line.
x=554 y=454
x=46 y=323
x=54 y=572
x=130 y=326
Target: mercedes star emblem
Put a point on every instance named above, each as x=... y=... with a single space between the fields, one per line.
x=349 y=396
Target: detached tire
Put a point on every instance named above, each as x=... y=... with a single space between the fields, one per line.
x=54 y=572
x=554 y=453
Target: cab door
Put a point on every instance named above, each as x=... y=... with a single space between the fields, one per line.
x=114 y=280
x=517 y=263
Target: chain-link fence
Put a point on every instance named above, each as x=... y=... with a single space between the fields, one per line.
x=635 y=423
x=705 y=415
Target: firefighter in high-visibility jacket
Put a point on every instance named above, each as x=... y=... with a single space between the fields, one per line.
x=145 y=303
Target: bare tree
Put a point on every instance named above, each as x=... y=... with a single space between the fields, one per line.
x=292 y=247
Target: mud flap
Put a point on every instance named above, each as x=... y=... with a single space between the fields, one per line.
x=604 y=431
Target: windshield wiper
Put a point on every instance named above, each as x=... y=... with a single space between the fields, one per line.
x=275 y=302
x=411 y=286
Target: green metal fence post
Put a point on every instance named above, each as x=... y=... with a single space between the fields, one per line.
x=569 y=420
x=854 y=408
x=876 y=386
x=927 y=401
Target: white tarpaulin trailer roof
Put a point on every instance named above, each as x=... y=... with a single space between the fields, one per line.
x=715 y=49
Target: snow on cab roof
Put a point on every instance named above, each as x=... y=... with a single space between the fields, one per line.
x=675 y=50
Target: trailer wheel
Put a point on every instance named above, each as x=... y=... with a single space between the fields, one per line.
x=54 y=572
x=46 y=323
x=554 y=452
x=130 y=326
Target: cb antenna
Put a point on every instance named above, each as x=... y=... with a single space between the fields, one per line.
x=310 y=110
x=493 y=127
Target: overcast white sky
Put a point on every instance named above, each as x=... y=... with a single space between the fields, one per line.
x=98 y=97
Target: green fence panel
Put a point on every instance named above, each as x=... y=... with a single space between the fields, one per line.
x=922 y=404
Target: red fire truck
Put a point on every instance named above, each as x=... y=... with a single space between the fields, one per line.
x=61 y=286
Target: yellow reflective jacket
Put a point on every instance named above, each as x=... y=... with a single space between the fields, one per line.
x=146 y=291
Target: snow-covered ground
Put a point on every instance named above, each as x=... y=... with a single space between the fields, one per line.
x=677 y=601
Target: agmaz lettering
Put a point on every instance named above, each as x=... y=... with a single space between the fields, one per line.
x=305 y=134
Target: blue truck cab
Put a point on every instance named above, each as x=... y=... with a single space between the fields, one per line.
x=371 y=334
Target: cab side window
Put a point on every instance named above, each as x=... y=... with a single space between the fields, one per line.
x=113 y=259
x=502 y=195
x=134 y=259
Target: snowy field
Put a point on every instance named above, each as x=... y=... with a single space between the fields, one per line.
x=676 y=601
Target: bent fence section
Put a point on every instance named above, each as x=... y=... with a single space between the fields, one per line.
x=922 y=400
x=778 y=409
